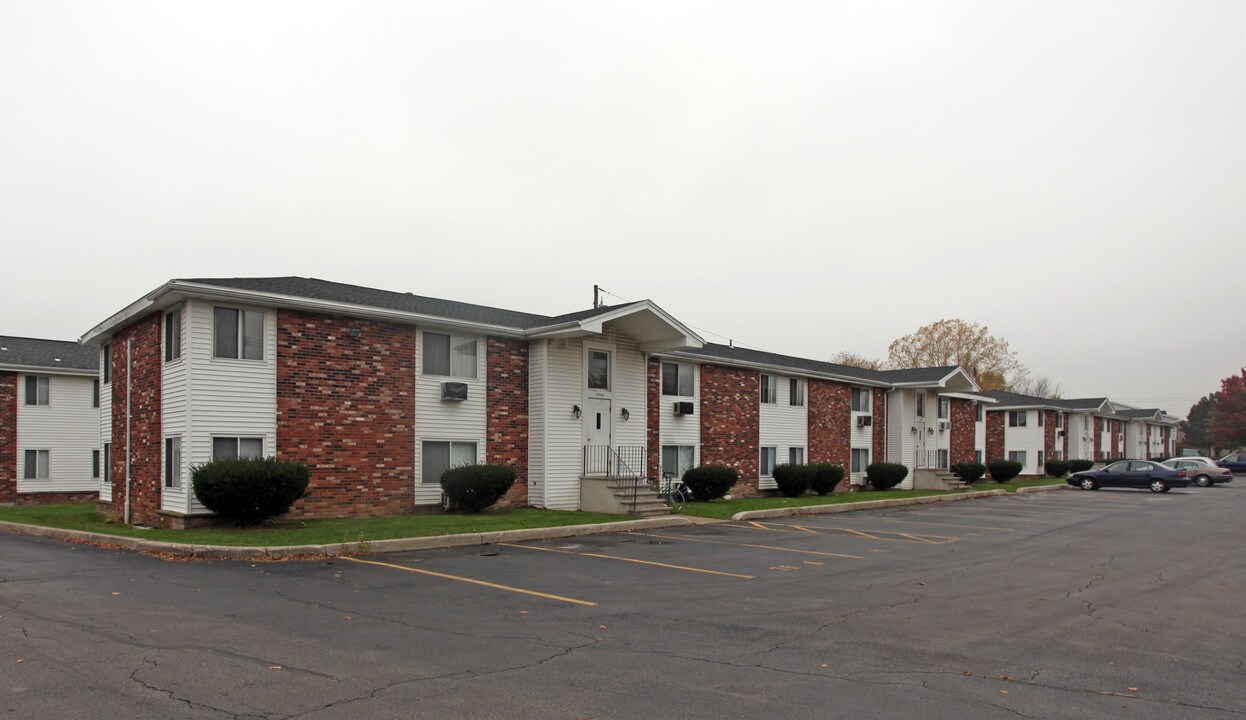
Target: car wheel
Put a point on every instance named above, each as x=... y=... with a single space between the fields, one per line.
x=1159 y=486
x=1203 y=481
x=1088 y=484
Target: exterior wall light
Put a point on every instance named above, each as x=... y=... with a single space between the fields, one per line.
x=930 y=431
x=575 y=410
x=624 y=414
x=913 y=429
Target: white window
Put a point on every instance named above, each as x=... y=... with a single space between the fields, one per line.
x=38 y=389
x=106 y=362
x=1059 y=420
x=173 y=335
x=796 y=394
x=237 y=333
x=107 y=462
x=921 y=404
x=981 y=409
x=769 y=389
x=768 y=455
x=1041 y=464
x=449 y=355
x=677 y=379
x=1017 y=418
x=95 y=464
x=860 y=459
x=796 y=456
x=438 y=456
x=38 y=465
x=95 y=392
x=945 y=406
x=977 y=455
x=677 y=459
x=1040 y=417
x=1057 y=454
x=943 y=459
x=598 y=370
x=860 y=399
x=232 y=448
x=172 y=462
x=1017 y=456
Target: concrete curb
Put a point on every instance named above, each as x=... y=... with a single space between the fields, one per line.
x=1044 y=488
x=281 y=552
x=867 y=505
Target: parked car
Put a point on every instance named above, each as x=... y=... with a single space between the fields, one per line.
x=1131 y=474
x=1204 y=472
x=1236 y=463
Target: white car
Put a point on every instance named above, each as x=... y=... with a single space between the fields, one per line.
x=1202 y=471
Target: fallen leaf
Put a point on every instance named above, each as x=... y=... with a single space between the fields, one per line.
x=523 y=612
x=825 y=665
x=968 y=674
x=116 y=593
x=1134 y=689
x=348 y=617
x=274 y=667
x=601 y=627
x=19 y=662
x=1005 y=677
x=1003 y=692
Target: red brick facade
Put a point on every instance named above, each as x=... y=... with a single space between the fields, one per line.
x=964 y=425
x=1049 y=434
x=995 y=436
x=346 y=408
x=653 y=406
x=1067 y=430
x=830 y=426
x=8 y=437
x=1166 y=435
x=1098 y=437
x=47 y=498
x=143 y=375
x=506 y=405
x=730 y=398
x=879 y=410
x=1117 y=442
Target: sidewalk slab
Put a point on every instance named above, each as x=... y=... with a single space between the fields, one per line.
x=1044 y=488
x=866 y=505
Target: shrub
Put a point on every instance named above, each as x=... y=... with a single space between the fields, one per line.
x=826 y=477
x=710 y=482
x=793 y=480
x=248 y=491
x=1080 y=465
x=1004 y=470
x=884 y=476
x=472 y=488
x=1056 y=468
x=968 y=472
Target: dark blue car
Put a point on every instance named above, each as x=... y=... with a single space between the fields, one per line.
x=1236 y=463
x=1131 y=474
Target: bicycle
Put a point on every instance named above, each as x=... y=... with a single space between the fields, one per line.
x=673 y=492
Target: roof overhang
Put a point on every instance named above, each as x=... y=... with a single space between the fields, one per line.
x=957 y=381
x=772 y=368
x=650 y=326
x=48 y=370
x=969 y=396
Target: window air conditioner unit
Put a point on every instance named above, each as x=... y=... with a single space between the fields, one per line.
x=1060 y=433
x=865 y=420
x=944 y=424
x=453 y=392
x=684 y=408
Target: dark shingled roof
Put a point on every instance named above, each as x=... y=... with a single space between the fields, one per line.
x=1011 y=399
x=1138 y=414
x=761 y=357
x=912 y=375
x=51 y=354
x=402 y=302
x=1082 y=403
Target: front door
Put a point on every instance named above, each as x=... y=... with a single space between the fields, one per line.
x=920 y=459
x=597 y=421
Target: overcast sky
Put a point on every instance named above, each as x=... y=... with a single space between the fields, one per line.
x=801 y=177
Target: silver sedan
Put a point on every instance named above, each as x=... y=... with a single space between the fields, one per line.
x=1203 y=472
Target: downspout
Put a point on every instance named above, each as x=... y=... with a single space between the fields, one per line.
x=129 y=384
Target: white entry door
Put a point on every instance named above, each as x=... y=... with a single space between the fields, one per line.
x=597 y=426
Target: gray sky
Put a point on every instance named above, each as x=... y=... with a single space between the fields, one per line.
x=802 y=177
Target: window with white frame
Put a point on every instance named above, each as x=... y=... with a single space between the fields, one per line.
x=1059 y=420
x=677 y=459
x=107 y=462
x=38 y=390
x=796 y=392
x=38 y=465
x=237 y=334
x=796 y=456
x=1040 y=417
x=95 y=464
x=438 y=456
x=768 y=456
x=769 y=389
x=861 y=399
x=95 y=392
x=106 y=362
x=1016 y=418
x=860 y=459
x=921 y=404
x=945 y=407
x=1057 y=454
x=598 y=370
x=1041 y=464
x=173 y=335
x=977 y=456
x=172 y=462
x=234 y=448
x=943 y=459
x=677 y=379
x=449 y=355
x=981 y=412
x=1017 y=456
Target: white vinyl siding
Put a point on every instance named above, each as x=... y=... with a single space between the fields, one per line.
x=682 y=430
x=1027 y=439
x=444 y=421
x=862 y=404
x=782 y=425
x=67 y=427
x=538 y=420
x=174 y=412
x=860 y=461
x=103 y=430
x=901 y=442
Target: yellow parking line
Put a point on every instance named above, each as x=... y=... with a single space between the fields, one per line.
x=751 y=545
x=445 y=576
x=938 y=524
x=881 y=535
x=632 y=560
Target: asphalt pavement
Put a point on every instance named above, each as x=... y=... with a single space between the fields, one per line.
x=1067 y=604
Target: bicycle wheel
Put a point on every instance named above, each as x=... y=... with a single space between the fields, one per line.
x=677 y=501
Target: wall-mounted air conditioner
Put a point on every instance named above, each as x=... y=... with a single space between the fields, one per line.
x=944 y=424
x=684 y=408
x=865 y=420
x=453 y=392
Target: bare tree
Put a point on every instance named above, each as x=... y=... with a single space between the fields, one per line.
x=1041 y=386
x=856 y=360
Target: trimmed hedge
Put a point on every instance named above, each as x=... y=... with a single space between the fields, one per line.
x=793 y=480
x=1056 y=468
x=884 y=476
x=710 y=482
x=1004 y=470
x=826 y=477
x=968 y=472
x=248 y=491
x=472 y=488
x=1080 y=465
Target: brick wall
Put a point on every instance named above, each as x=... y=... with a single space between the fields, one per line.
x=730 y=399
x=879 y=452
x=1049 y=434
x=995 y=436
x=653 y=406
x=1098 y=435
x=830 y=423
x=346 y=408
x=8 y=437
x=964 y=424
x=506 y=400
x=145 y=432
x=1067 y=430
x=1116 y=437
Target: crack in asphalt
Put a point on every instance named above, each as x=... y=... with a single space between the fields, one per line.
x=190 y=704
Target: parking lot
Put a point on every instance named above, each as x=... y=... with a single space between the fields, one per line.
x=1064 y=604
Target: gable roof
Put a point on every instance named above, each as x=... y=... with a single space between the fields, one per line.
x=21 y=353
x=748 y=356
x=1142 y=414
x=1017 y=400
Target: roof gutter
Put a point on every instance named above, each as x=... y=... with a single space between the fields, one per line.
x=48 y=370
x=776 y=368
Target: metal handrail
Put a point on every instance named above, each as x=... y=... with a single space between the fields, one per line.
x=617 y=463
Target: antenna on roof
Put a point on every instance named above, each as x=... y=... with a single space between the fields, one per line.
x=730 y=343
x=596 y=297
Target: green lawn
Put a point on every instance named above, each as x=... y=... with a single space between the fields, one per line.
x=724 y=509
x=82 y=516
x=1012 y=485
